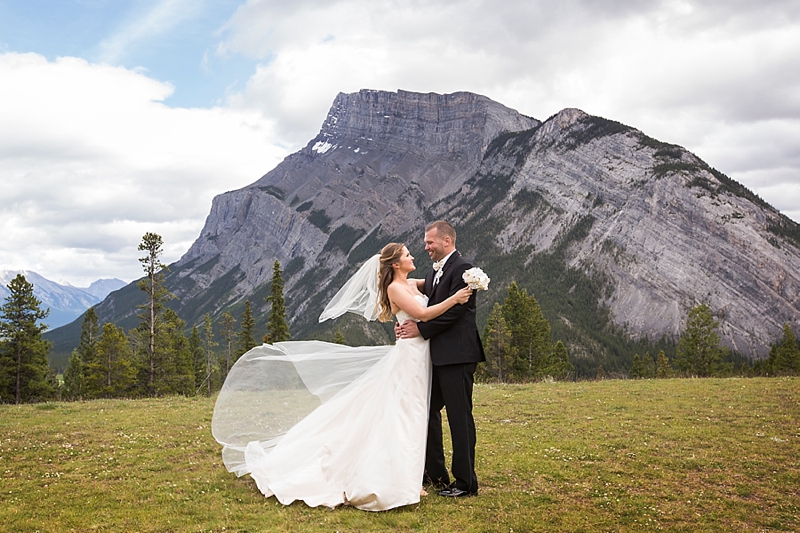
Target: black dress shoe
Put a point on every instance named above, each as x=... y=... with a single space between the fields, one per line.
x=455 y=492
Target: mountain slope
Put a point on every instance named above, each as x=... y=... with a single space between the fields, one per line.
x=380 y=158
x=65 y=302
x=650 y=225
x=616 y=234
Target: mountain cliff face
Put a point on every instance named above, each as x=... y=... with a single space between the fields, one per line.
x=618 y=235
x=379 y=157
x=661 y=229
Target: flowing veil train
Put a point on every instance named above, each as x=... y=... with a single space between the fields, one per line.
x=335 y=406
x=274 y=386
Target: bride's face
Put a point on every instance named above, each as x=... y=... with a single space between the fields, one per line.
x=406 y=263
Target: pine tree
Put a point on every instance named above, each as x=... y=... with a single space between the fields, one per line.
x=74 y=378
x=663 y=368
x=699 y=349
x=643 y=367
x=530 y=332
x=174 y=375
x=198 y=356
x=637 y=370
x=648 y=366
x=277 y=327
x=338 y=338
x=87 y=349
x=90 y=333
x=784 y=357
x=600 y=375
x=760 y=367
x=157 y=294
x=501 y=353
x=112 y=374
x=139 y=338
x=24 y=372
x=208 y=348
x=558 y=365
x=246 y=336
x=229 y=335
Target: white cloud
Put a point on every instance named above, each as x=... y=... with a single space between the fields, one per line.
x=90 y=159
x=716 y=77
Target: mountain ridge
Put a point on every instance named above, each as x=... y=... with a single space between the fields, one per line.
x=672 y=179
x=634 y=230
x=66 y=302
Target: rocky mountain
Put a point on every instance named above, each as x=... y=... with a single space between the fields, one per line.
x=66 y=303
x=617 y=234
x=655 y=227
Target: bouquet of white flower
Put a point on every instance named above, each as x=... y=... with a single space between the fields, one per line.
x=476 y=279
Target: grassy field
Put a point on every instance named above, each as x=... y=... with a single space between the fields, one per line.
x=671 y=455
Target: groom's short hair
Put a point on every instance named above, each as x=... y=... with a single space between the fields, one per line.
x=443 y=228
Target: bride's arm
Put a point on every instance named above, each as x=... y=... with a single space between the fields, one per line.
x=402 y=299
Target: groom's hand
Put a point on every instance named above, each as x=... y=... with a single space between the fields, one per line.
x=407 y=330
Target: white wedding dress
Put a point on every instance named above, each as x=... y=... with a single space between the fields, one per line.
x=329 y=424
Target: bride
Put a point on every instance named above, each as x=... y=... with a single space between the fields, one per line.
x=330 y=424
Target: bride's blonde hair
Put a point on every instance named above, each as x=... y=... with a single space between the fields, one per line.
x=390 y=254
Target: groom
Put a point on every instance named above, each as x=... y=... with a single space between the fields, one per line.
x=456 y=350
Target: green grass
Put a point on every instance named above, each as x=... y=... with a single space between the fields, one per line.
x=672 y=455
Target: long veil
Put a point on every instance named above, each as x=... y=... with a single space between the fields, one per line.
x=273 y=386
x=358 y=295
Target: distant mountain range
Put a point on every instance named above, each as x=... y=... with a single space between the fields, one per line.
x=66 y=302
x=617 y=234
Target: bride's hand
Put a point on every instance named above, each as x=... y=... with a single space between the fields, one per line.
x=463 y=295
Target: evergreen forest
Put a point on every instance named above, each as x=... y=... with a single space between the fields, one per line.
x=162 y=355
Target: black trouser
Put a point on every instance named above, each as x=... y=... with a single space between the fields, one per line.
x=452 y=389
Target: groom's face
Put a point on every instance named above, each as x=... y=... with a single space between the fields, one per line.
x=434 y=244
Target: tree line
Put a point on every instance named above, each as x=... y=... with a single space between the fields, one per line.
x=517 y=343
x=157 y=358
x=153 y=359
x=701 y=353
x=519 y=348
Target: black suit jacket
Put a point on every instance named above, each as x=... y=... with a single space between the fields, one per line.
x=453 y=334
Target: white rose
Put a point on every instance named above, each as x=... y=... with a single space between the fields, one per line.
x=476 y=279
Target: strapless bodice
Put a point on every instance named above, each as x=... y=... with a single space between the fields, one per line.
x=402 y=315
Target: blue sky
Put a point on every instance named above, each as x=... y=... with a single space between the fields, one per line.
x=122 y=117
x=173 y=41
